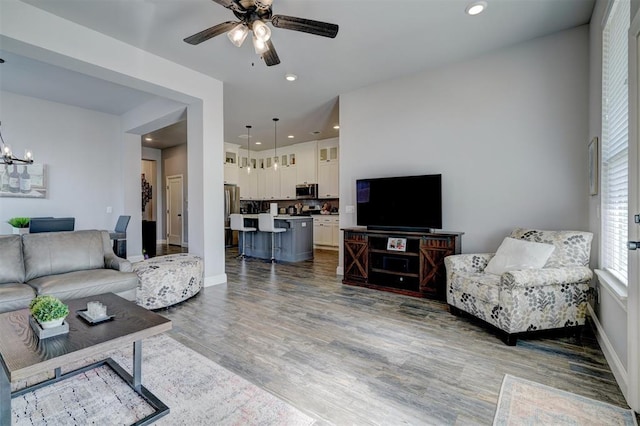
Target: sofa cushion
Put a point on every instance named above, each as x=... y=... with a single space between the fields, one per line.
x=515 y=255
x=572 y=247
x=11 y=265
x=60 y=252
x=15 y=296
x=77 y=284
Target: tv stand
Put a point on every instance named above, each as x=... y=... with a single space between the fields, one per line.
x=415 y=268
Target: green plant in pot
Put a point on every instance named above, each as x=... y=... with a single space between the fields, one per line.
x=20 y=224
x=49 y=311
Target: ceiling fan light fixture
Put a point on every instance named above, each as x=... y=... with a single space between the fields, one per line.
x=476 y=8
x=261 y=31
x=238 y=34
x=263 y=4
x=259 y=45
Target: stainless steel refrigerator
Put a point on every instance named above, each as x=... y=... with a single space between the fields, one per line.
x=231 y=205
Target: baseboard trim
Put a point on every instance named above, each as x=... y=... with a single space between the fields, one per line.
x=215 y=280
x=340 y=270
x=617 y=368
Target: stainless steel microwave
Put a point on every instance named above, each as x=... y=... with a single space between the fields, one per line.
x=307 y=191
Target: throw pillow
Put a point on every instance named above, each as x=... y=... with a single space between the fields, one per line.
x=513 y=255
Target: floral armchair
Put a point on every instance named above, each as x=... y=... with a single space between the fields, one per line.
x=525 y=300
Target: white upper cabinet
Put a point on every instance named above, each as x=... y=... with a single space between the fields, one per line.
x=328 y=168
x=306 y=162
x=248 y=181
x=297 y=164
x=231 y=163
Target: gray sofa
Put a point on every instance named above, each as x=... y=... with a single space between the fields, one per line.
x=67 y=265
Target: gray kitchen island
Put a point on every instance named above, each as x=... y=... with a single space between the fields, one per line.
x=293 y=245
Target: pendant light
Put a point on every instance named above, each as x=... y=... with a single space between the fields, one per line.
x=248 y=149
x=275 y=143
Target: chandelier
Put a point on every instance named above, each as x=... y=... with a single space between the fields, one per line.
x=8 y=157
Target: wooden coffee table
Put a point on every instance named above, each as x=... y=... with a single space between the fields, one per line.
x=24 y=355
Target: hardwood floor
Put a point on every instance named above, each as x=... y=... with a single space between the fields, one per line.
x=350 y=355
x=162 y=249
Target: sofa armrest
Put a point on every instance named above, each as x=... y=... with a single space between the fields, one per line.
x=111 y=261
x=547 y=276
x=467 y=262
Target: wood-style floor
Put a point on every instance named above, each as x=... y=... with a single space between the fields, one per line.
x=349 y=355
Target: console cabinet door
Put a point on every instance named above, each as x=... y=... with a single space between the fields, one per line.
x=433 y=276
x=356 y=256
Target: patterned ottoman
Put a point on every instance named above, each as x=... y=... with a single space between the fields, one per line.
x=167 y=280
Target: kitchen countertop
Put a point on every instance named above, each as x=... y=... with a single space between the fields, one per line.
x=280 y=216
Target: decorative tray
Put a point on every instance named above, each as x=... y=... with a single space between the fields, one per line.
x=83 y=314
x=44 y=333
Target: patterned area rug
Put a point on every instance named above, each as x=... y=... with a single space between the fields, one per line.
x=197 y=391
x=523 y=402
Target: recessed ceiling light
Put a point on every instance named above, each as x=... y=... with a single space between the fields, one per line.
x=315 y=132
x=476 y=8
x=258 y=143
x=290 y=77
x=148 y=139
x=1 y=61
x=336 y=127
x=244 y=137
x=290 y=136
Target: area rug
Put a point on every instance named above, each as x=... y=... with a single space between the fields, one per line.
x=523 y=402
x=197 y=391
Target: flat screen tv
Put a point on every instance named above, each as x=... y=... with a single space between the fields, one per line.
x=400 y=203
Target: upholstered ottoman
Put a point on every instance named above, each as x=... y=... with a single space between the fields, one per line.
x=167 y=280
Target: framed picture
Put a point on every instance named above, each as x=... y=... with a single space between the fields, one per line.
x=593 y=166
x=30 y=181
x=397 y=244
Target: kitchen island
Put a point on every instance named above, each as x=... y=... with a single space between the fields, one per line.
x=293 y=245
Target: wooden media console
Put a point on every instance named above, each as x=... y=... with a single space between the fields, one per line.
x=410 y=263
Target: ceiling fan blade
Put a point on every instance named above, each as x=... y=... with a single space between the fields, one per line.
x=232 y=4
x=271 y=56
x=210 y=32
x=323 y=29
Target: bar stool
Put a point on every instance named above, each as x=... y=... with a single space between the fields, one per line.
x=265 y=224
x=237 y=224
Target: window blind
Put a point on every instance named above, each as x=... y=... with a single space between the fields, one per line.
x=615 y=140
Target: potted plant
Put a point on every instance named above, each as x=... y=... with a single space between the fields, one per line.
x=49 y=311
x=20 y=225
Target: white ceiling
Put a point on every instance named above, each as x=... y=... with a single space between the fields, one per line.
x=378 y=40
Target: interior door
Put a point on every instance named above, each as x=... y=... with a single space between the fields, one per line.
x=174 y=209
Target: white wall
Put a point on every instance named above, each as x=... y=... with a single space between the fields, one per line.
x=81 y=150
x=508 y=132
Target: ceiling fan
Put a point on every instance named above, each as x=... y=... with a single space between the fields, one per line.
x=253 y=15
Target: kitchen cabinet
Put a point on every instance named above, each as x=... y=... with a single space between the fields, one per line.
x=297 y=164
x=288 y=183
x=287 y=173
x=306 y=162
x=326 y=230
x=261 y=192
x=231 y=175
x=271 y=183
x=328 y=169
x=248 y=182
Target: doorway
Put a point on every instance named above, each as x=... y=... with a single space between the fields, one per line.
x=174 y=210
